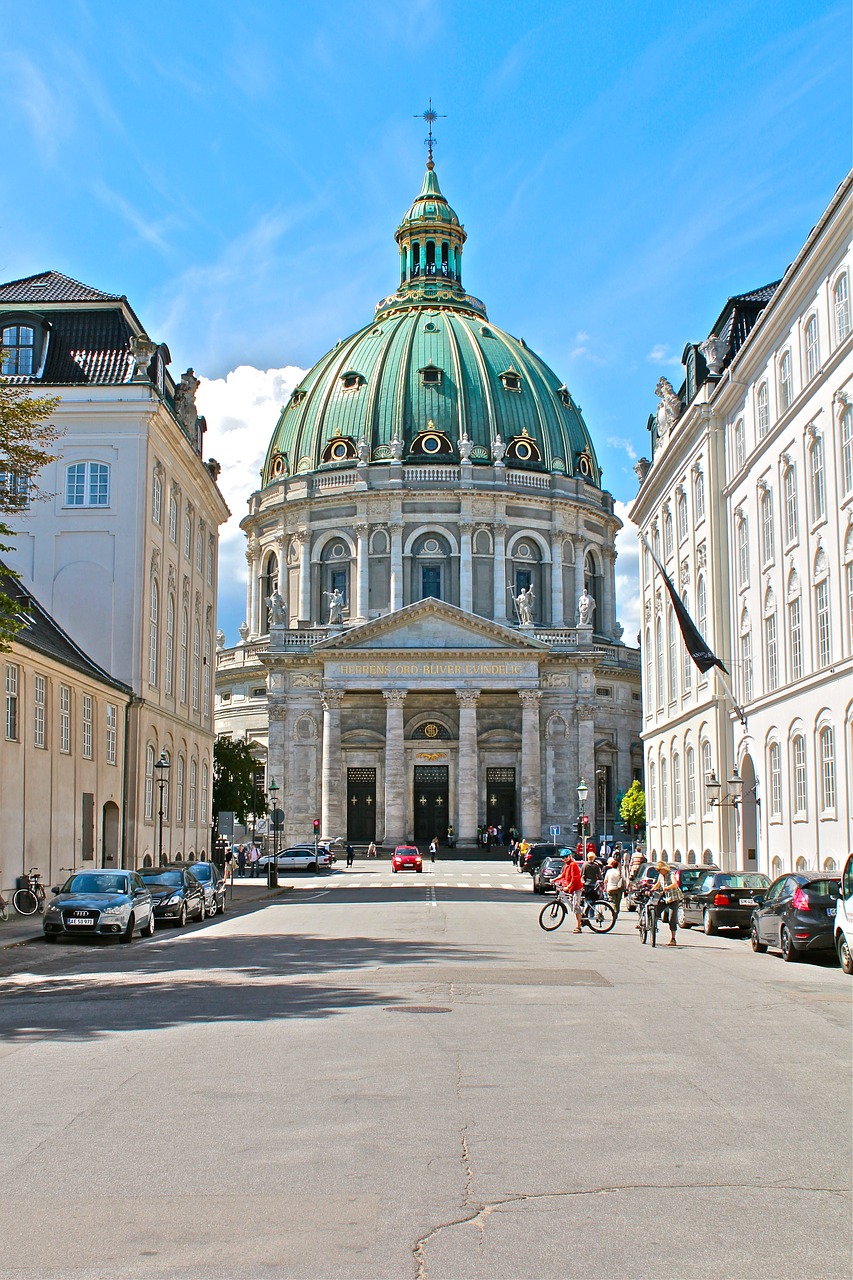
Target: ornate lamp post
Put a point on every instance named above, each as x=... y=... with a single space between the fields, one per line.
x=583 y=792
x=161 y=769
x=272 y=866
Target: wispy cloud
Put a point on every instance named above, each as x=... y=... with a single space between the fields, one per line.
x=619 y=442
x=46 y=115
x=147 y=229
x=661 y=354
x=583 y=351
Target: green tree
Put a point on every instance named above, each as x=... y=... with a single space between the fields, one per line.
x=234 y=782
x=25 y=443
x=633 y=807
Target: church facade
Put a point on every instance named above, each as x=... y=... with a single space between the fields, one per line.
x=431 y=640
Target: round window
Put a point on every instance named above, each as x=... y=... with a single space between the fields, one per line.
x=523 y=451
x=339 y=450
x=431 y=545
x=431 y=731
x=431 y=444
x=584 y=466
x=337 y=550
x=278 y=466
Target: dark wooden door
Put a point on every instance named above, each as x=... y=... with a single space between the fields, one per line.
x=500 y=798
x=431 y=802
x=361 y=805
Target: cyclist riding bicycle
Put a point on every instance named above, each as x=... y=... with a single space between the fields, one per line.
x=570 y=883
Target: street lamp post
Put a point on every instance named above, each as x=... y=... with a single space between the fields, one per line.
x=272 y=865
x=161 y=768
x=583 y=792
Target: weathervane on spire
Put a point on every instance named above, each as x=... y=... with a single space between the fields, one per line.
x=429 y=142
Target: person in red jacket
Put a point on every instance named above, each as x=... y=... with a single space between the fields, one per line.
x=570 y=882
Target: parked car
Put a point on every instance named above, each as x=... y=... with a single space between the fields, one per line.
x=212 y=882
x=536 y=855
x=689 y=877
x=406 y=857
x=844 y=918
x=723 y=899
x=298 y=858
x=797 y=915
x=548 y=870
x=177 y=895
x=647 y=874
x=99 y=903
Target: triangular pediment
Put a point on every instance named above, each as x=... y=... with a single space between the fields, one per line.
x=432 y=625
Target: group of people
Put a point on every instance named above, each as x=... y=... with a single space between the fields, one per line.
x=245 y=856
x=491 y=835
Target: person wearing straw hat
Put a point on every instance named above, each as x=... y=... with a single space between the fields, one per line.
x=668 y=887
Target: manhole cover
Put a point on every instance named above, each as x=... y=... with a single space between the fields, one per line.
x=417 y=1008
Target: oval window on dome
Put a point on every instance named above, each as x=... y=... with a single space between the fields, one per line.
x=341 y=449
x=523 y=448
x=431 y=443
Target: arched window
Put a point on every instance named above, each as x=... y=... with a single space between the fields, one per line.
x=166 y=789
x=664 y=790
x=791 y=516
x=156 y=499
x=740 y=444
x=659 y=662
x=767 y=527
x=676 y=786
x=170 y=644
x=681 y=516
x=822 y=619
x=848 y=578
x=826 y=744
x=775 y=770
x=847 y=450
x=691 y=858
x=193 y=791
x=593 y=581
x=746 y=656
x=771 y=645
x=19 y=347
x=829 y=865
x=702 y=608
x=269 y=583
x=698 y=496
x=798 y=752
x=691 y=783
x=206 y=680
x=526 y=572
x=653 y=791
x=673 y=655
x=686 y=660
x=196 y=663
x=668 y=542
x=649 y=684
x=763 y=404
x=841 y=299
x=149 y=783
x=336 y=564
x=182 y=673
x=87 y=484
x=801 y=864
x=786 y=381
x=818 y=481
x=179 y=790
x=812 y=348
x=742 y=537
x=153 y=632
x=776 y=867
x=706 y=772
x=173 y=516
x=202 y=817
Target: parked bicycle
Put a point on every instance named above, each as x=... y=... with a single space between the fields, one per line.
x=29 y=900
x=648 y=915
x=598 y=913
x=4 y=908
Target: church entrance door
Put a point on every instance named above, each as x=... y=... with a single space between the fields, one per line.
x=431 y=802
x=361 y=805
x=500 y=798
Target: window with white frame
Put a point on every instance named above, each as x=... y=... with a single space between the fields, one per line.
x=681 y=516
x=163 y=784
x=795 y=632
x=746 y=656
x=798 y=751
x=169 y=675
x=691 y=782
x=188 y=534
x=698 y=496
x=686 y=660
x=149 y=783
x=211 y=558
x=767 y=527
x=822 y=621
x=673 y=655
x=676 y=786
x=702 y=608
x=775 y=769
x=847 y=450
x=206 y=677
x=184 y=658
x=18 y=344
x=11 y=702
x=153 y=632
x=740 y=444
x=179 y=790
x=156 y=498
x=762 y=401
x=841 y=301
x=87 y=484
x=202 y=817
x=649 y=682
x=848 y=578
x=667 y=534
x=659 y=663
x=792 y=527
x=812 y=348
x=14 y=490
x=196 y=663
x=39 y=712
x=706 y=773
x=65 y=719
x=173 y=516
x=653 y=791
x=199 y=547
x=771 y=648
x=826 y=743
x=786 y=381
x=664 y=789
x=193 y=790
x=742 y=539
x=86 y=722
x=818 y=480
x=112 y=733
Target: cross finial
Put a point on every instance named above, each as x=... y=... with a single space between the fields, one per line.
x=429 y=142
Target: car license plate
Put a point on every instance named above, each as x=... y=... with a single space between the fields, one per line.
x=830 y=911
x=748 y=902
x=84 y=920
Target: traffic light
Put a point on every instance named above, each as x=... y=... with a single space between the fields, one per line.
x=316 y=826
x=586 y=821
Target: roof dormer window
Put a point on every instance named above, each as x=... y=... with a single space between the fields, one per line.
x=297 y=396
x=431 y=376
x=511 y=380
x=19 y=349
x=352 y=381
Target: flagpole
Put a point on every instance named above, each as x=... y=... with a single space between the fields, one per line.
x=739 y=711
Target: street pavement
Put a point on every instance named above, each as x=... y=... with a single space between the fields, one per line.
x=370 y=1075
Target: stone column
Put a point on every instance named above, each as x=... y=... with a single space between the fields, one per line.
x=251 y=578
x=608 y=621
x=331 y=818
x=531 y=765
x=277 y=747
x=396 y=567
x=361 y=571
x=466 y=580
x=586 y=758
x=557 y=618
x=395 y=769
x=580 y=547
x=499 y=607
x=468 y=771
x=304 y=540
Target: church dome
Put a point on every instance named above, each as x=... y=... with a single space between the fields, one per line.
x=430 y=378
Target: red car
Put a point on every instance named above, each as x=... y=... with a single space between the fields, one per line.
x=407 y=857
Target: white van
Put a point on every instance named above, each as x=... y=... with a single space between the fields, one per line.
x=844 y=918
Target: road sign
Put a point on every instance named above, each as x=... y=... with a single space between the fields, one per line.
x=278 y=819
x=555 y=831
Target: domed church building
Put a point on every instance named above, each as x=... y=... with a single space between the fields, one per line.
x=431 y=639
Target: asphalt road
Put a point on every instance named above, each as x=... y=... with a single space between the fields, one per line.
x=377 y=1076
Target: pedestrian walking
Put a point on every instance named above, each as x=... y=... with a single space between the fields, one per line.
x=254 y=855
x=241 y=860
x=671 y=897
x=614 y=885
x=371 y=850
x=451 y=838
x=433 y=849
x=350 y=855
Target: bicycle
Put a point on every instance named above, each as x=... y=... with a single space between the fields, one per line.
x=648 y=916
x=4 y=908
x=30 y=900
x=598 y=913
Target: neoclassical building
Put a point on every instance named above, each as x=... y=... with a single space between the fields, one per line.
x=431 y=636
x=749 y=503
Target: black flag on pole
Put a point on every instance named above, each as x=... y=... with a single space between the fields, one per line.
x=697 y=645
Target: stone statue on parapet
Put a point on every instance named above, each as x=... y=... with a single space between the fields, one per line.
x=586 y=608
x=498 y=450
x=465 y=444
x=524 y=606
x=185 y=400
x=670 y=408
x=278 y=609
x=336 y=607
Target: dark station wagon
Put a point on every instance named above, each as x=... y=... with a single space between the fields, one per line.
x=723 y=900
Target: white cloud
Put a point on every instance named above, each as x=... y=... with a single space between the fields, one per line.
x=628 y=604
x=619 y=442
x=660 y=354
x=242 y=410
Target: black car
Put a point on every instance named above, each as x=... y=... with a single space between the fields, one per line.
x=646 y=875
x=797 y=914
x=548 y=869
x=536 y=855
x=177 y=895
x=723 y=900
x=212 y=881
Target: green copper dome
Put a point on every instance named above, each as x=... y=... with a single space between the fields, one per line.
x=430 y=379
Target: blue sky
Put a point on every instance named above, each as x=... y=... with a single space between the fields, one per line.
x=238 y=172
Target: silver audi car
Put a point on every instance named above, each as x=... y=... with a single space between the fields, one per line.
x=100 y=904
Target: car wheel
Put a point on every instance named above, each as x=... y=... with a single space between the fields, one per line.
x=148 y=929
x=202 y=911
x=757 y=944
x=683 y=922
x=708 y=922
x=127 y=936
x=845 y=956
x=182 y=917
x=312 y=866
x=213 y=908
x=786 y=943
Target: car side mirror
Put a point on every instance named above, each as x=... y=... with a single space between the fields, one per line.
x=838 y=892
x=55 y=889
